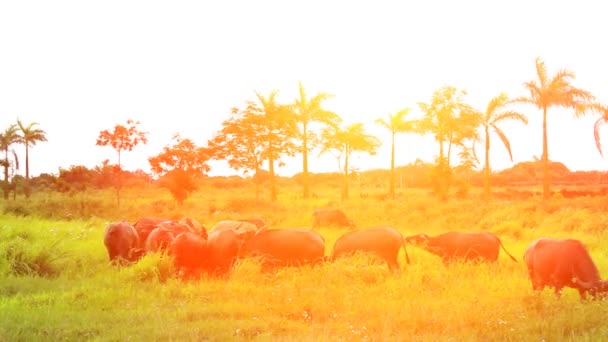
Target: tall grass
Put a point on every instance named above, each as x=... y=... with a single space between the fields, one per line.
x=57 y=284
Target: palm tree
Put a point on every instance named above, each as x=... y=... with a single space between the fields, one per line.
x=345 y=141
x=276 y=122
x=555 y=91
x=308 y=110
x=396 y=124
x=30 y=135
x=7 y=138
x=497 y=112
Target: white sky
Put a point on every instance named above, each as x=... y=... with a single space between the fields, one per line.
x=79 y=67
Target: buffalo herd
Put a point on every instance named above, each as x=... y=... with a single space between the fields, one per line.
x=555 y=263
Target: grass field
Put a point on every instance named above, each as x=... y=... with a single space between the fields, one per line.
x=56 y=283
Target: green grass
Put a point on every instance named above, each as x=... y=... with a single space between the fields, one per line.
x=69 y=291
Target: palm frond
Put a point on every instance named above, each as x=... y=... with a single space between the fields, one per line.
x=510 y=115
x=596 y=133
x=504 y=140
x=541 y=72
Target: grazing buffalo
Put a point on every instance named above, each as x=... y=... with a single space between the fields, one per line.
x=144 y=226
x=257 y=221
x=383 y=242
x=159 y=240
x=327 y=217
x=223 y=248
x=285 y=247
x=190 y=254
x=194 y=225
x=563 y=263
x=463 y=246
x=121 y=241
x=242 y=228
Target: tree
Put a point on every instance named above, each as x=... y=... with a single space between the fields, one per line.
x=307 y=111
x=396 y=123
x=343 y=142
x=9 y=137
x=278 y=131
x=122 y=138
x=450 y=119
x=179 y=166
x=555 y=91
x=30 y=135
x=263 y=130
x=497 y=112
x=453 y=122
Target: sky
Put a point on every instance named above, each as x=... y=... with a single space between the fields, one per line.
x=80 y=67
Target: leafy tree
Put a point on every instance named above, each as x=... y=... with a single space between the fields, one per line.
x=179 y=166
x=555 y=91
x=497 y=112
x=450 y=119
x=262 y=131
x=9 y=137
x=122 y=138
x=453 y=122
x=396 y=123
x=30 y=135
x=342 y=142
x=307 y=111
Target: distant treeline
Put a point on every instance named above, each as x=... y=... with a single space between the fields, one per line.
x=417 y=175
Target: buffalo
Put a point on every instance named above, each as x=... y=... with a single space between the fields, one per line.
x=144 y=226
x=328 y=217
x=159 y=240
x=285 y=247
x=223 y=249
x=463 y=246
x=560 y=263
x=257 y=221
x=122 y=242
x=383 y=242
x=242 y=228
x=190 y=254
x=194 y=225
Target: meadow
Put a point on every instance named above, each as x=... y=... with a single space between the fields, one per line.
x=56 y=283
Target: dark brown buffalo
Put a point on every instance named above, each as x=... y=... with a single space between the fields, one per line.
x=242 y=228
x=195 y=225
x=461 y=246
x=560 y=263
x=383 y=242
x=190 y=254
x=257 y=221
x=121 y=241
x=285 y=247
x=328 y=217
x=223 y=248
x=159 y=240
x=144 y=226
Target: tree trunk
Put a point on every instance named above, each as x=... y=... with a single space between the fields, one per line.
x=486 y=168
x=5 y=187
x=118 y=181
x=27 y=170
x=255 y=181
x=345 y=177
x=305 y=184
x=545 y=157
x=273 y=189
x=391 y=190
